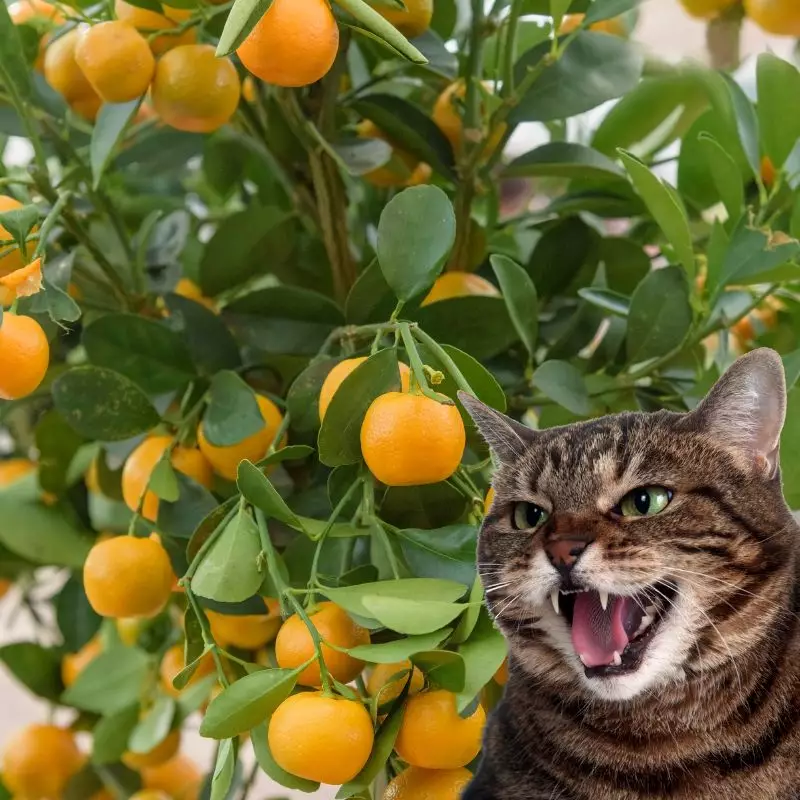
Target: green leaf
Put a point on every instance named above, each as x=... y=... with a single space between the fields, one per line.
x=360 y=155
x=400 y=649
x=241 y=20
x=606 y=299
x=441 y=553
x=20 y=221
x=58 y=444
x=519 y=294
x=14 y=70
x=558 y=8
x=409 y=128
x=302 y=400
x=665 y=207
x=293 y=452
x=37 y=668
x=469 y=618
x=143 y=350
x=370 y=299
x=108 y=128
x=233 y=413
x=223 y=770
x=384 y=30
x=410 y=616
x=416 y=232
x=483 y=653
x=564 y=160
x=257 y=489
x=746 y=123
x=101 y=404
x=154 y=726
x=77 y=620
x=110 y=734
x=778 y=106
x=443 y=668
x=606 y=9
x=727 y=177
x=790 y=450
x=753 y=253
x=247 y=703
x=265 y=759
x=563 y=383
x=608 y=67
x=660 y=314
x=229 y=571
x=163 y=481
x=110 y=682
x=339 y=439
x=564 y=257
x=791 y=366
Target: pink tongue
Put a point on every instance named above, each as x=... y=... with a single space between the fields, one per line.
x=598 y=634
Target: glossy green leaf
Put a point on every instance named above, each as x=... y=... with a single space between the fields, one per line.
x=58 y=444
x=791 y=366
x=746 y=123
x=400 y=649
x=443 y=668
x=416 y=232
x=360 y=155
x=563 y=383
x=77 y=620
x=411 y=616
x=483 y=653
x=564 y=257
x=606 y=9
x=607 y=299
x=302 y=400
x=441 y=553
x=564 y=160
x=778 y=106
x=383 y=30
x=179 y=518
x=266 y=761
x=164 y=482
x=469 y=619
x=110 y=734
x=154 y=726
x=370 y=299
x=727 y=177
x=257 y=489
x=519 y=294
x=241 y=20
x=35 y=667
x=232 y=413
x=224 y=768
x=107 y=131
x=101 y=404
x=660 y=314
x=752 y=254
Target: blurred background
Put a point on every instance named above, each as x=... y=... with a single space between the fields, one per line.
x=666 y=31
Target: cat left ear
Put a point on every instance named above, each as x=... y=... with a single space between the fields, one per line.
x=746 y=408
x=507 y=438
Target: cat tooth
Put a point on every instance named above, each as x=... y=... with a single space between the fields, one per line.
x=584 y=660
x=617 y=659
x=554 y=600
x=650 y=611
x=603 y=600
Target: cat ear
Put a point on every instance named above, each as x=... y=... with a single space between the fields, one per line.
x=507 y=438
x=746 y=408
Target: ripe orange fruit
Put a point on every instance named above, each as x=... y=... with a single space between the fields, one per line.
x=293 y=44
x=413 y=21
x=24 y=356
x=74 y=663
x=39 y=760
x=12 y=469
x=5 y=585
x=425 y=784
x=147 y=22
x=325 y=739
x=195 y=91
x=172 y=663
x=707 y=9
x=768 y=172
x=141 y=463
x=410 y=440
x=337 y=375
x=487 y=503
x=128 y=577
x=380 y=680
x=22 y=282
x=781 y=17
x=11 y=258
x=501 y=676
x=225 y=460
x=179 y=778
x=162 y=752
x=448 y=113
x=43 y=16
x=150 y=794
x=62 y=72
x=294 y=645
x=433 y=735
x=615 y=26
x=190 y=290
x=459 y=284
x=247 y=631
x=116 y=60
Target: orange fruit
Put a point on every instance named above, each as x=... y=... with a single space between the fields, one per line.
x=40 y=14
x=410 y=439
x=190 y=290
x=293 y=44
x=62 y=72
x=141 y=463
x=294 y=645
x=501 y=676
x=447 y=114
x=39 y=760
x=615 y=26
x=24 y=356
x=22 y=282
x=426 y=784
x=193 y=90
x=413 y=21
x=487 y=503
x=249 y=90
x=707 y=9
x=225 y=460
x=781 y=17
x=768 y=173
x=150 y=794
x=247 y=631
x=380 y=680
x=163 y=751
x=325 y=739
x=179 y=778
x=433 y=735
x=5 y=586
x=146 y=22
x=459 y=284
x=128 y=577
x=12 y=469
x=74 y=663
x=103 y=794
x=337 y=375
x=172 y=663
x=116 y=60
x=11 y=258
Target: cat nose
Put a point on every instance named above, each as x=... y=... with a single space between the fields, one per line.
x=563 y=554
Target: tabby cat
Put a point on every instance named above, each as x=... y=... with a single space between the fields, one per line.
x=644 y=569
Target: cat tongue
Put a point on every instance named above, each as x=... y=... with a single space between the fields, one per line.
x=598 y=634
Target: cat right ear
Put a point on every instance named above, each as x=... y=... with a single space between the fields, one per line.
x=507 y=438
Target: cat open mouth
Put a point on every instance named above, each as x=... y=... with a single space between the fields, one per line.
x=610 y=632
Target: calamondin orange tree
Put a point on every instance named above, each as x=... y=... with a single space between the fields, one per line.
x=256 y=251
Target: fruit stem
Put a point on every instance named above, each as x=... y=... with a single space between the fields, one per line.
x=418 y=368
x=208 y=637
x=444 y=357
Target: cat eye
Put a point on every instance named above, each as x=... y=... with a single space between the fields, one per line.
x=645 y=501
x=528 y=516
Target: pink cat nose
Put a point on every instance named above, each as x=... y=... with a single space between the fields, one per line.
x=564 y=553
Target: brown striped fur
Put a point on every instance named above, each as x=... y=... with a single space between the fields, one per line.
x=713 y=712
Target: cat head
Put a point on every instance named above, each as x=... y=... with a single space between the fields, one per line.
x=633 y=550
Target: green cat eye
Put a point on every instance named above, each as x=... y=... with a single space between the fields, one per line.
x=644 y=501
x=529 y=516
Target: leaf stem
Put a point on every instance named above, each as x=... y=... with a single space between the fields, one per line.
x=186 y=580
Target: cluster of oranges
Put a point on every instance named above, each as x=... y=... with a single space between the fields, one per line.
x=778 y=17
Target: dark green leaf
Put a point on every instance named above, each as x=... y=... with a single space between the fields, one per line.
x=108 y=128
x=76 y=619
x=564 y=257
x=606 y=9
x=370 y=298
x=778 y=106
x=101 y=404
x=180 y=518
x=564 y=160
x=562 y=382
x=443 y=668
x=36 y=667
x=241 y=20
x=58 y=444
x=233 y=413
x=519 y=294
x=441 y=553
x=483 y=653
x=257 y=489
x=154 y=726
x=433 y=505
x=266 y=761
x=607 y=299
x=746 y=123
x=726 y=174
x=302 y=401
x=110 y=734
x=400 y=649
x=752 y=254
